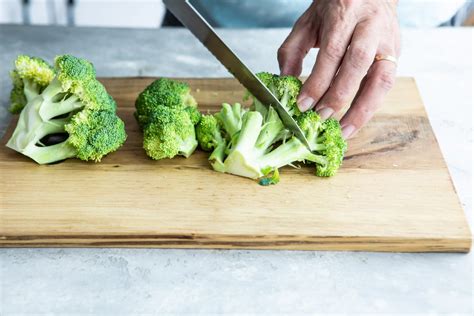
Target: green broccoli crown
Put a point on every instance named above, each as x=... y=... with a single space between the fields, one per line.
x=208 y=133
x=194 y=114
x=167 y=113
x=94 y=134
x=29 y=77
x=331 y=144
x=169 y=132
x=310 y=123
x=76 y=76
x=268 y=79
x=288 y=88
x=35 y=69
x=326 y=140
x=73 y=102
x=164 y=92
x=285 y=88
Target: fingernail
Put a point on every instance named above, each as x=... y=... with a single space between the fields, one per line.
x=305 y=103
x=325 y=112
x=347 y=131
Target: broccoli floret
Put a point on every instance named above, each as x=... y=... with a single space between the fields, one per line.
x=164 y=92
x=245 y=143
x=30 y=76
x=169 y=132
x=208 y=133
x=211 y=137
x=326 y=141
x=217 y=132
x=75 y=103
x=284 y=88
x=167 y=113
x=262 y=144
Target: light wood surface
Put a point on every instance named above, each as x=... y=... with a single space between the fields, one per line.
x=394 y=192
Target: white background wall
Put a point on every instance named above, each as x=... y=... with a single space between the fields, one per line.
x=120 y=13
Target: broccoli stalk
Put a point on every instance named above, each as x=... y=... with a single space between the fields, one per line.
x=75 y=103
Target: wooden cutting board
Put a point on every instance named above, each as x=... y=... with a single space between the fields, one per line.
x=394 y=192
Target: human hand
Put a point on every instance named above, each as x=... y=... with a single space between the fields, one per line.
x=349 y=33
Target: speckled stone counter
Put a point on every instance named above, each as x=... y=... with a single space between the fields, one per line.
x=154 y=281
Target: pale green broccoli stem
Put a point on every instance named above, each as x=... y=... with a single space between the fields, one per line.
x=31 y=127
x=49 y=154
x=217 y=157
x=188 y=146
x=52 y=107
x=30 y=89
x=251 y=125
x=287 y=153
x=230 y=117
x=271 y=132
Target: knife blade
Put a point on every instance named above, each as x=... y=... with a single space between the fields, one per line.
x=203 y=31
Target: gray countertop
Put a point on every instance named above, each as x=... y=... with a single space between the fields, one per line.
x=154 y=281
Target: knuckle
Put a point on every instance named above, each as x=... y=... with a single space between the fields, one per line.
x=341 y=94
x=385 y=79
x=335 y=49
x=359 y=57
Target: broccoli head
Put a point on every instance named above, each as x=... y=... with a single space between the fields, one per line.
x=30 y=76
x=73 y=103
x=167 y=114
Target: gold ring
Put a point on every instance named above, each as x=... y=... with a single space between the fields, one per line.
x=391 y=58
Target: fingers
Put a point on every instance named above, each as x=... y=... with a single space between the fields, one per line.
x=334 y=44
x=295 y=47
x=378 y=82
x=357 y=60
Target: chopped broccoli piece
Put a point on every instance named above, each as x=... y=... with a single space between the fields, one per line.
x=74 y=102
x=208 y=133
x=270 y=179
x=164 y=92
x=169 y=132
x=30 y=76
x=167 y=113
x=326 y=140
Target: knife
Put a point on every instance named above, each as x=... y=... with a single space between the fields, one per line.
x=190 y=17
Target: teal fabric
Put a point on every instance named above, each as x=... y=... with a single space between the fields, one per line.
x=283 y=13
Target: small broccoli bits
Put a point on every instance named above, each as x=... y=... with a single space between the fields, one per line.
x=167 y=114
x=71 y=101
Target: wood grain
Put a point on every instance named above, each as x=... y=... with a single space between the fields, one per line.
x=394 y=192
